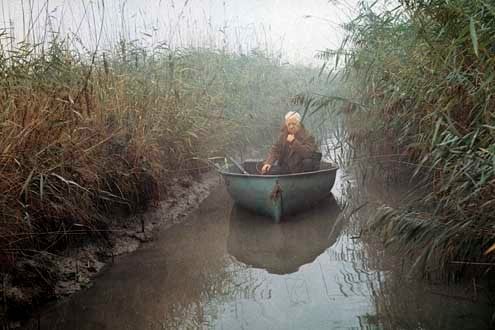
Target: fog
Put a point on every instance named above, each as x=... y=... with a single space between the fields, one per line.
x=290 y=29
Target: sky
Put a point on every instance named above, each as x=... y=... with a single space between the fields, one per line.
x=295 y=29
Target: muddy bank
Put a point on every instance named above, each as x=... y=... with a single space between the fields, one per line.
x=45 y=276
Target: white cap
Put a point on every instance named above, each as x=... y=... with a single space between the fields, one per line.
x=293 y=114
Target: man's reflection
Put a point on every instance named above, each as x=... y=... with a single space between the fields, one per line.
x=283 y=248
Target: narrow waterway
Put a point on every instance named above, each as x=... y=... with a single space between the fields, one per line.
x=225 y=268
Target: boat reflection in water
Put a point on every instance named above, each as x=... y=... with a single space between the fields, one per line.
x=283 y=248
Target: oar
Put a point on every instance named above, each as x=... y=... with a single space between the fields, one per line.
x=238 y=165
x=212 y=160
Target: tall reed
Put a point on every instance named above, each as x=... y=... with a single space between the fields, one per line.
x=422 y=74
x=84 y=135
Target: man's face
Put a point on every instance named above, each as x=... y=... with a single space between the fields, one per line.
x=293 y=125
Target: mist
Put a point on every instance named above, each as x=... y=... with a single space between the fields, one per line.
x=292 y=30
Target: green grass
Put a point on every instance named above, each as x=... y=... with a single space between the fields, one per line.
x=422 y=74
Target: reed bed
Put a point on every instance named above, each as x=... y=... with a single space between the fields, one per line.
x=79 y=143
x=86 y=136
x=92 y=133
x=420 y=74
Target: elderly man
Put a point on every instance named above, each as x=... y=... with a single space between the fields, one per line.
x=295 y=150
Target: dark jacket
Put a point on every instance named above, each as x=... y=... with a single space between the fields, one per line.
x=290 y=156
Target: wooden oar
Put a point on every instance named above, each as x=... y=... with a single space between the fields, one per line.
x=211 y=160
x=238 y=165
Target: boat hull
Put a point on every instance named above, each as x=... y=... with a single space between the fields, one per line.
x=279 y=195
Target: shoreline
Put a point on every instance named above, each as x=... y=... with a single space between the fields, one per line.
x=75 y=268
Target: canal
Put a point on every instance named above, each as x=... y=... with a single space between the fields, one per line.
x=225 y=268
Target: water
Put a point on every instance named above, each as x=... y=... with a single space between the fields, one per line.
x=225 y=268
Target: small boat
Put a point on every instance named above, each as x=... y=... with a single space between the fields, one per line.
x=276 y=195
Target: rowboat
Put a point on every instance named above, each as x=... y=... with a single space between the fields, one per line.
x=276 y=196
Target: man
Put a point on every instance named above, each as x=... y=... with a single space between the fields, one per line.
x=295 y=150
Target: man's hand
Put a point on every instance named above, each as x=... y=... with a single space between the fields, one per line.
x=290 y=138
x=266 y=168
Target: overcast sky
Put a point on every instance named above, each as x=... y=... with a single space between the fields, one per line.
x=295 y=28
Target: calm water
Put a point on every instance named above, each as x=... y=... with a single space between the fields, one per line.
x=225 y=268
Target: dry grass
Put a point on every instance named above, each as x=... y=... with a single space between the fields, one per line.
x=84 y=136
x=74 y=151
